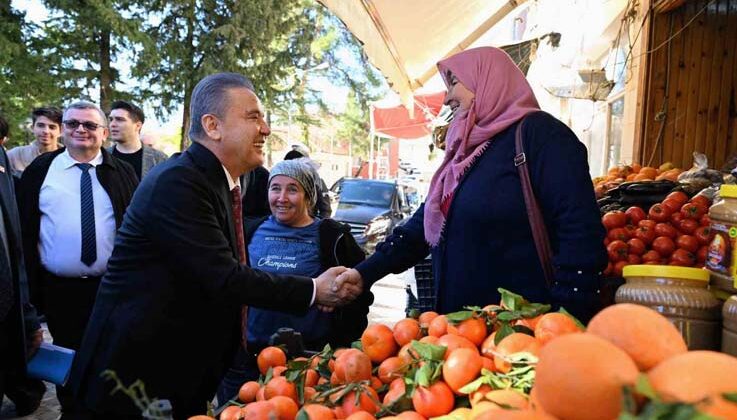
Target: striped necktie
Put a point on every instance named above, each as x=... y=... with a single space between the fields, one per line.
x=87 y=207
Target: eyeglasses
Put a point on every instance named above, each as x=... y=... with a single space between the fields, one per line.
x=89 y=126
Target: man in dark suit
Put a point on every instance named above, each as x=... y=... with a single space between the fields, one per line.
x=20 y=332
x=72 y=201
x=168 y=311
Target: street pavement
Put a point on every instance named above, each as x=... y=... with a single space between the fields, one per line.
x=390 y=300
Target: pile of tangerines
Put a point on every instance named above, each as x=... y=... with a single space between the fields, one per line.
x=509 y=361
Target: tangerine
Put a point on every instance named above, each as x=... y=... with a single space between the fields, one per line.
x=285 y=407
x=391 y=368
x=427 y=317
x=438 y=326
x=406 y=330
x=352 y=365
x=553 y=325
x=452 y=342
x=318 y=412
x=280 y=386
x=474 y=329
x=433 y=401
x=270 y=357
x=378 y=342
x=511 y=344
x=248 y=391
x=260 y=410
x=461 y=367
x=693 y=376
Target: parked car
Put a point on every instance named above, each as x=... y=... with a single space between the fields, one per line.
x=371 y=207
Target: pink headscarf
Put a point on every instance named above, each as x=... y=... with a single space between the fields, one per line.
x=502 y=97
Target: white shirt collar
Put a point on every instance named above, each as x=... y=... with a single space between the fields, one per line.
x=231 y=183
x=68 y=161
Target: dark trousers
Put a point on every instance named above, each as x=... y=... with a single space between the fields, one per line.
x=68 y=303
x=24 y=392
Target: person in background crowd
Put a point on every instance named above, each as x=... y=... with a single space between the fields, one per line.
x=292 y=241
x=149 y=139
x=20 y=331
x=169 y=309
x=322 y=206
x=474 y=220
x=4 y=131
x=46 y=132
x=255 y=199
x=126 y=121
x=72 y=201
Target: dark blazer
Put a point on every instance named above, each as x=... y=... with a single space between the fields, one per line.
x=117 y=178
x=21 y=321
x=168 y=308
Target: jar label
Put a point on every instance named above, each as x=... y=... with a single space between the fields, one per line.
x=721 y=255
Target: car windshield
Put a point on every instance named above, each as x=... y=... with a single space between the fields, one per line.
x=367 y=193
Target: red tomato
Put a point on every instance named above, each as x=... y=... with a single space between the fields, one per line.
x=619 y=266
x=683 y=258
x=651 y=256
x=608 y=270
x=664 y=246
x=703 y=235
x=687 y=242
x=693 y=211
x=614 y=219
x=702 y=200
x=705 y=220
x=633 y=259
x=647 y=223
x=676 y=218
x=701 y=254
x=617 y=251
x=688 y=226
x=636 y=246
x=635 y=214
x=678 y=196
x=607 y=241
x=665 y=229
x=646 y=234
x=658 y=213
x=619 y=234
x=672 y=205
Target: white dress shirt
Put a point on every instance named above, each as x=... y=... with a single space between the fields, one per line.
x=232 y=183
x=60 y=240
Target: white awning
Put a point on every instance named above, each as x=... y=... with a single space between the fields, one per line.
x=405 y=39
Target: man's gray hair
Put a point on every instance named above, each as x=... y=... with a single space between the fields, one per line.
x=87 y=105
x=210 y=97
x=302 y=170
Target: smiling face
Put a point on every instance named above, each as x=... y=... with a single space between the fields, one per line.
x=459 y=98
x=288 y=201
x=46 y=131
x=82 y=142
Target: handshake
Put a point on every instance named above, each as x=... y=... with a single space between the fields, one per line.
x=337 y=286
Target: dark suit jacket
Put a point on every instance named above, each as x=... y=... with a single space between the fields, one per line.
x=168 y=309
x=21 y=320
x=117 y=178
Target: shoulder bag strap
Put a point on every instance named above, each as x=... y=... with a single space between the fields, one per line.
x=537 y=223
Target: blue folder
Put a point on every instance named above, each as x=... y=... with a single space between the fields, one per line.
x=51 y=363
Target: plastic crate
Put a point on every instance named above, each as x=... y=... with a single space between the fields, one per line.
x=425 y=299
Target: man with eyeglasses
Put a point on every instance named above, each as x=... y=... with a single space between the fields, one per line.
x=72 y=202
x=126 y=121
x=46 y=128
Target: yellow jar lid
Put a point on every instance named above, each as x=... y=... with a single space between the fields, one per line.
x=728 y=190
x=668 y=271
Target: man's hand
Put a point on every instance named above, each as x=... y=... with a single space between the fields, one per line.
x=33 y=342
x=351 y=280
x=332 y=292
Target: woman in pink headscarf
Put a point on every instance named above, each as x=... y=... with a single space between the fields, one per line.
x=475 y=222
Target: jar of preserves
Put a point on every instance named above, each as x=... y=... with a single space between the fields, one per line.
x=729 y=326
x=680 y=294
x=720 y=257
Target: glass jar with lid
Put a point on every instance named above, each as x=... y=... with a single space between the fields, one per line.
x=720 y=257
x=729 y=326
x=680 y=294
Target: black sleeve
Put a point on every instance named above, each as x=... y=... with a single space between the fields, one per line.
x=404 y=248
x=323 y=200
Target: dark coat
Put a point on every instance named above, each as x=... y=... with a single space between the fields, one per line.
x=117 y=178
x=487 y=241
x=255 y=185
x=168 y=308
x=21 y=321
x=337 y=247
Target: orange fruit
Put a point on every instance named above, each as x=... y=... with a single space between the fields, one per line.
x=352 y=365
x=580 y=376
x=530 y=323
x=507 y=398
x=426 y=318
x=488 y=364
x=248 y=391
x=270 y=357
x=232 y=412
x=280 y=386
x=285 y=407
x=501 y=414
x=695 y=375
x=260 y=410
x=311 y=377
x=391 y=368
x=474 y=329
x=309 y=393
x=648 y=337
x=438 y=326
x=461 y=367
x=429 y=339
x=717 y=407
x=433 y=401
x=553 y=325
x=406 y=330
x=201 y=417
x=407 y=353
x=361 y=415
x=278 y=371
x=410 y=415
x=511 y=344
x=318 y=412
x=367 y=401
x=452 y=342
x=488 y=347
x=396 y=390
x=378 y=342
x=376 y=383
